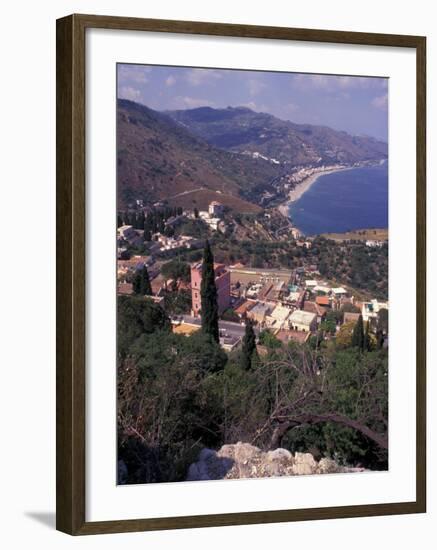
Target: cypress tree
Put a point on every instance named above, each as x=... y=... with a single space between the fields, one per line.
x=367 y=340
x=136 y=283
x=208 y=295
x=141 y=282
x=145 y=280
x=249 y=346
x=358 y=334
x=380 y=339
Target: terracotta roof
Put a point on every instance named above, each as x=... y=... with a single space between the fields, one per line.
x=322 y=300
x=312 y=307
x=244 y=307
x=265 y=291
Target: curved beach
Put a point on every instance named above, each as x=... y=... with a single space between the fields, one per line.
x=303 y=187
x=353 y=199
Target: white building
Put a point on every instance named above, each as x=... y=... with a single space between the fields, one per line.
x=322 y=288
x=278 y=317
x=373 y=244
x=303 y=320
x=215 y=209
x=339 y=291
x=126 y=231
x=213 y=223
x=371 y=309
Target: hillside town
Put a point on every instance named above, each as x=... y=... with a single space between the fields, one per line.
x=252 y=290
x=291 y=304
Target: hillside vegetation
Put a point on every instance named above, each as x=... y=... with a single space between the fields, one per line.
x=158 y=159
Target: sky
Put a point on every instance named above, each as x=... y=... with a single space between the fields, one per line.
x=357 y=105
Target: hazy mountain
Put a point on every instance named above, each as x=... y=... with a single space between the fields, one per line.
x=243 y=130
x=158 y=158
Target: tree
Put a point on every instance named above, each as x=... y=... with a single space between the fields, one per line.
x=177 y=303
x=350 y=308
x=168 y=231
x=367 y=338
x=249 y=346
x=176 y=269
x=141 y=283
x=137 y=316
x=380 y=339
x=329 y=324
x=230 y=315
x=169 y=404
x=383 y=320
x=208 y=295
x=344 y=335
x=358 y=334
x=266 y=338
x=338 y=400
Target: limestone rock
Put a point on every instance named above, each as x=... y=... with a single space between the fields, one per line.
x=243 y=460
x=304 y=464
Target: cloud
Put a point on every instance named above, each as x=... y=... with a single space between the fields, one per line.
x=380 y=102
x=291 y=108
x=170 y=80
x=255 y=86
x=128 y=92
x=196 y=77
x=250 y=105
x=133 y=73
x=186 y=102
x=333 y=83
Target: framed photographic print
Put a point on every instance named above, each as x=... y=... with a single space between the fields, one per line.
x=240 y=274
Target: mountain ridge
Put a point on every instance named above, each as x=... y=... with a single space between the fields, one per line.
x=233 y=155
x=158 y=158
x=241 y=129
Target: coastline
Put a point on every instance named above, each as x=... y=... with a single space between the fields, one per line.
x=304 y=186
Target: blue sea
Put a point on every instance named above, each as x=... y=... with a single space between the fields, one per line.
x=343 y=201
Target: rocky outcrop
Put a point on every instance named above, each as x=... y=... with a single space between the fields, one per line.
x=243 y=460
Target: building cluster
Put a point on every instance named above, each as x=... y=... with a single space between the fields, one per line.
x=128 y=237
x=303 y=173
x=162 y=243
x=213 y=217
x=291 y=304
x=374 y=244
x=288 y=304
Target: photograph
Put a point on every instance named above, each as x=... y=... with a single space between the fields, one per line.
x=252 y=274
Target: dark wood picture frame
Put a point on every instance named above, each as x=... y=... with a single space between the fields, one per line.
x=70 y=205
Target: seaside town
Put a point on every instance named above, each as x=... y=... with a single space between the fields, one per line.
x=252 y=321
x=291 y=304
